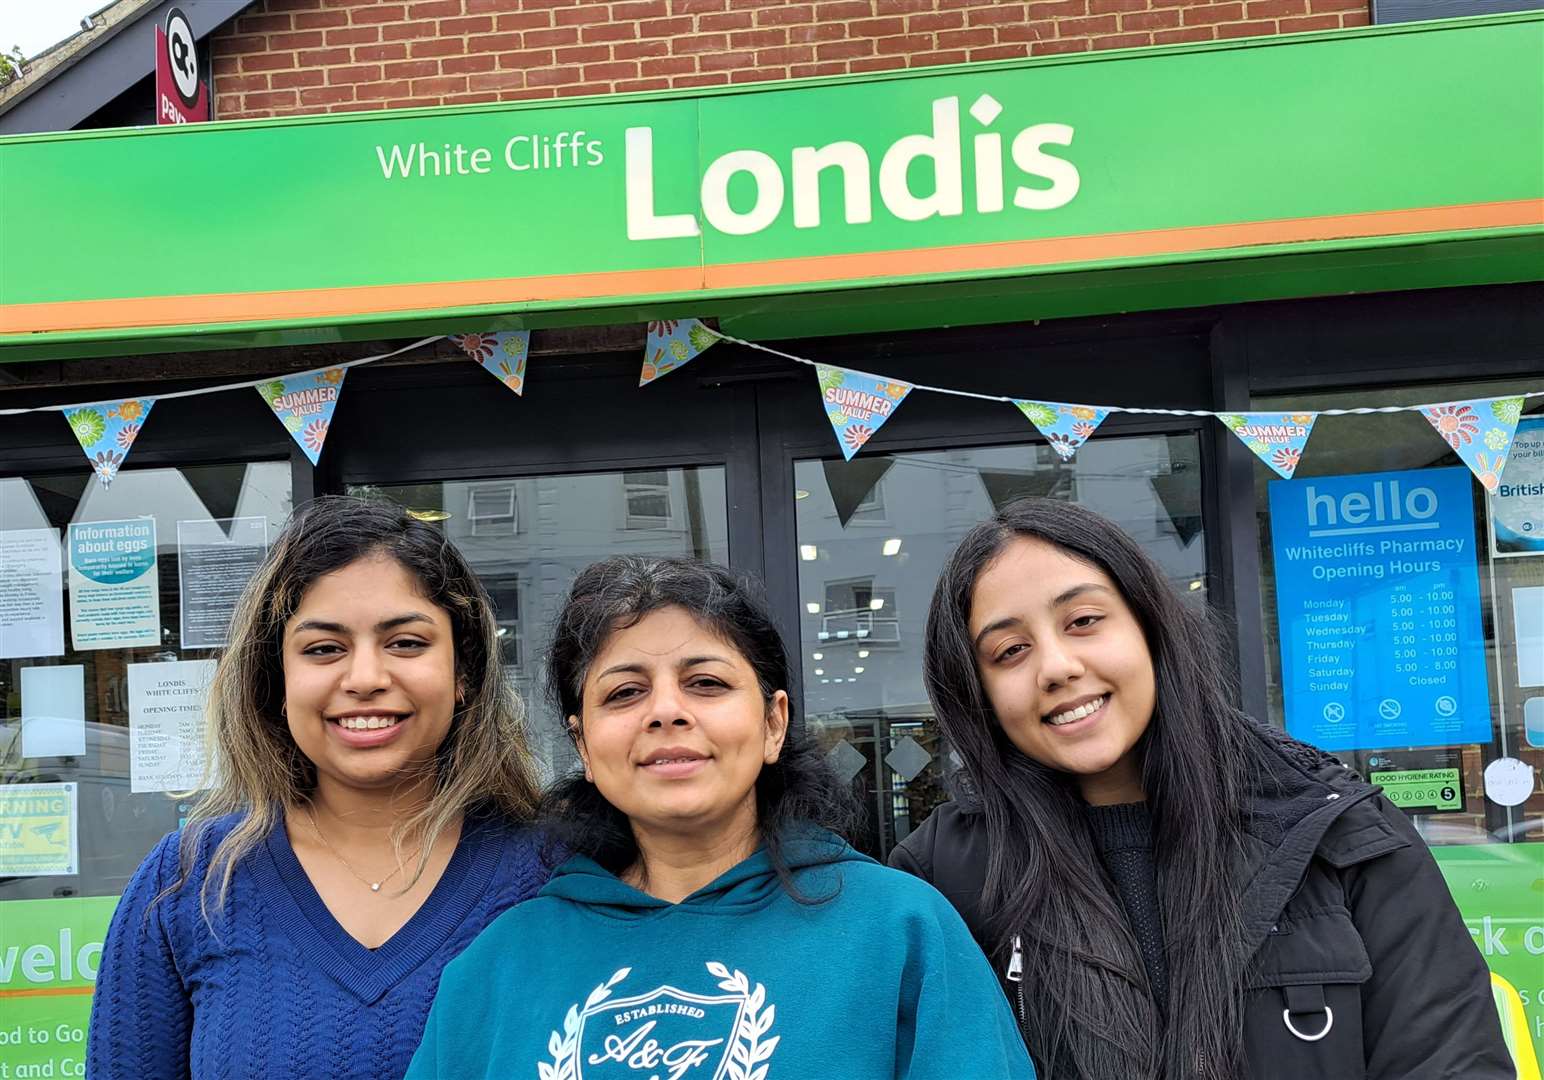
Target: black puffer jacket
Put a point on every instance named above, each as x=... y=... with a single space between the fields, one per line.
x=1349 y=918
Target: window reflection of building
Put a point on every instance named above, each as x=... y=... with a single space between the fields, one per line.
x=533 y=534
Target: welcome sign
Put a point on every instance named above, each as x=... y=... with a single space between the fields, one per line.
x=1128 y=159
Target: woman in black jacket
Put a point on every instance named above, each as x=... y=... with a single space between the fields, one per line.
x=1170 y=889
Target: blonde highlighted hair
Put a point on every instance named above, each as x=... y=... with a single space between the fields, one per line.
x=255 y=768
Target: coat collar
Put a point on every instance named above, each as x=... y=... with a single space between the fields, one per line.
x=1303 y=804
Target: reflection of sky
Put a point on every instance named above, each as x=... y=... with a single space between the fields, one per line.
x=19 y=508
x=166 y=495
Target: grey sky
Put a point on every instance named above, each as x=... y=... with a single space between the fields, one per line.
x=37 y=24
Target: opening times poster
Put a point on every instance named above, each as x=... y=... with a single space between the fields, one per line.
x=166 y=724
x=115 y=598
x=1378 y=608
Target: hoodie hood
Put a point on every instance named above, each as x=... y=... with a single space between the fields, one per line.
x=815 y=857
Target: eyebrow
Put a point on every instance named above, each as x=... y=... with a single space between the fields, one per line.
x=381 y=627
x=640 y=669
x=1013 y=620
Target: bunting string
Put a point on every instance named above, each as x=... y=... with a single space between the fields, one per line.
x=857 y=403
x=1007 y=400
x=250 y=384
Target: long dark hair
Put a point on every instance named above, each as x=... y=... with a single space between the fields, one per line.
x=794 y=793
x=1089 y=1013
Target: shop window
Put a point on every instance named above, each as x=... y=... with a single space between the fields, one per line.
x=1411 y=643
x=864 y=589
x=101 y=703
x=569 y=521
x=647 y=499
x=491 y=510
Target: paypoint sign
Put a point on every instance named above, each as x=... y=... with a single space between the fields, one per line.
x=49 y=954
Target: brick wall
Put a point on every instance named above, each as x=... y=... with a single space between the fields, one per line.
x=285 y=57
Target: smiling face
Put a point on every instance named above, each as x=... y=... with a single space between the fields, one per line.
x=369 y=675
x=675 y=729
x=1065 y=665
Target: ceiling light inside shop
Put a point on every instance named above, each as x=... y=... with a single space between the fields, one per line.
x=812 y=607
x=809 y=552
x=801 y=494
x=825 y=680
x=857 y=670
x=1196 y=584
x=817 y=656
x=820 y=671
x=863 y=633
x=862 y=654
x=429 y=515
x=893 y=546
x=824 y=635
x=876 y=603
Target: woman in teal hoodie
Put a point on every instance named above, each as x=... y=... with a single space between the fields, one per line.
x=708 y=926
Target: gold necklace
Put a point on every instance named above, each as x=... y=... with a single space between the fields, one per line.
x=375 y=886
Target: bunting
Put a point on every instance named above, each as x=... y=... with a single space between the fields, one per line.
x=1480 y=431
x=1066 y=427
x=858 y=404
x=672 y=344
x=304 y=404
x=107 y=430
x=1276 y=438
x=501 y=354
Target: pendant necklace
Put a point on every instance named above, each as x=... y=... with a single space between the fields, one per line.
x=375 y=886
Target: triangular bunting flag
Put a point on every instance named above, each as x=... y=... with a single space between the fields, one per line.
x=304 y=405
x=858 y=404
x=1480 y=432
x=502 y=354
x=1066 y=427
x=106 y=430
x=1277 y=438
x=672 y=343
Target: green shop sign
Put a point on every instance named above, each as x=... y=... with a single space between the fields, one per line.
x=1380 y=141
x=1500 y=893
x=49 y=953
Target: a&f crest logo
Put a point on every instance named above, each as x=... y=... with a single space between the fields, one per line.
x=666 y=1034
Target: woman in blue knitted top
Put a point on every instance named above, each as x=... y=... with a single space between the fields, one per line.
x=366 y=820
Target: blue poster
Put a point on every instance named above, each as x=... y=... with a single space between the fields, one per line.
x=1378 y=602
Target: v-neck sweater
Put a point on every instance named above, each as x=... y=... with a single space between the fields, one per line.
x=276 y=987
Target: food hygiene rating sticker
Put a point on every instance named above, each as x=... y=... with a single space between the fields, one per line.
x=1422 y=789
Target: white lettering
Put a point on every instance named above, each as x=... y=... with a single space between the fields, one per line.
x=715 y=193
x=942 y=147
x=807 y=165
x=1062 y=173
x=642 y=222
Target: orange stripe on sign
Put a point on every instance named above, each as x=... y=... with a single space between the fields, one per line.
x=321 y=304
x=48 y=991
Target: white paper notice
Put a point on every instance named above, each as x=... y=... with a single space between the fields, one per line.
x=1528 y=624
x=53 y=711
x=31 y=594
x=166 y=724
